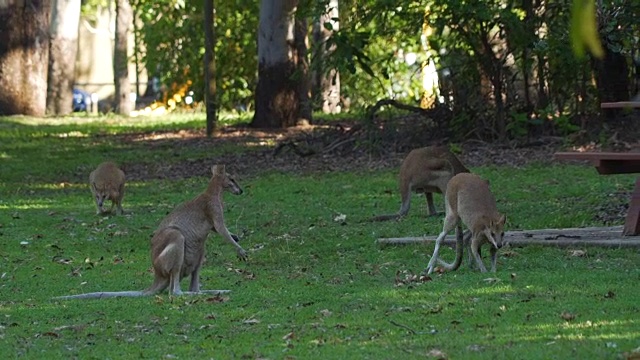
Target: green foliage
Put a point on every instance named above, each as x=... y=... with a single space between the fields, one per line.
x=315 y=286
x=173 y=35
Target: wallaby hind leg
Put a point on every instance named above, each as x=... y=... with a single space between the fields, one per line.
x=194 y=286
x=430 y=206
x=405 y=193
x=168 y=263
x=475 y=250
x=450 y=222
x=119 y=204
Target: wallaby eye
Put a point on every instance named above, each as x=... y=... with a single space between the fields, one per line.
x=502 y=234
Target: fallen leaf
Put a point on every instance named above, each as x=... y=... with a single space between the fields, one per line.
x=633 y=354
x=438 y=354
x=289 y=336
x=251 y=321
x=577 y=253
x=325 y=312
x=491 y=280
x=51 y=334
x=218 y=299
x=567 y=316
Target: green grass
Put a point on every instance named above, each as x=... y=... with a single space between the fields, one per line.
x=313 y=288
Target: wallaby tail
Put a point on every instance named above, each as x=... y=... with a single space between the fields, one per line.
x=459 y=250
x=101 y=295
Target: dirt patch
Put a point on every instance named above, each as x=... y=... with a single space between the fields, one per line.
x=343 y=146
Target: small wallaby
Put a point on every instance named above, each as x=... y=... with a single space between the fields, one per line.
x=469 y=199
x=178 y=245
x=425 y=170
x=107 y=183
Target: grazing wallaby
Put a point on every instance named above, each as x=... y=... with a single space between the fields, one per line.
x=425 y=170
x=469 y=199
x=178 y=245
x=107 y=183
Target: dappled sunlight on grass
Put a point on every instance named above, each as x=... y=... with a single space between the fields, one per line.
x=585 y=330
x=26 y=206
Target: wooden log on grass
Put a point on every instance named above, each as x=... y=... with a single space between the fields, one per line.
x=571 y=237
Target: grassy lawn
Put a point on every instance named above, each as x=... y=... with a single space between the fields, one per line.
x=314 y=287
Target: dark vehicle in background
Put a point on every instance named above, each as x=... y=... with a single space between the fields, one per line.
x=81 y=100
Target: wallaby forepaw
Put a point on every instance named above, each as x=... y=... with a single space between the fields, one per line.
x=242 y=255
x=235 y=238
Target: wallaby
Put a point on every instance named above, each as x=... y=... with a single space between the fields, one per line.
x=107 y=183
x=425 y=170
x=178 y=245
x=469 y=199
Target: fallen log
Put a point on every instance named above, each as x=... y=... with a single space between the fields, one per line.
x=571 y=237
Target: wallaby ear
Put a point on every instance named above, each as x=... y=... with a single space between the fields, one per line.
x=503 y=219
x=217 y=169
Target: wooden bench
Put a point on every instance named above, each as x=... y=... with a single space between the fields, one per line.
x=615 y=163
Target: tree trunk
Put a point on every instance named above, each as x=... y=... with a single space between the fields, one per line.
x=278 y=90
x=24 y=56
x=124 y=20
x=302 y=71
x=326 y=82
x=65 y=18
x=613 y=77
x=210 y=65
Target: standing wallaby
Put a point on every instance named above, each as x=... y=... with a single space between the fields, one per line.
x=426 y=170
x=107 y=183
x=178 y=245
x=469 y=199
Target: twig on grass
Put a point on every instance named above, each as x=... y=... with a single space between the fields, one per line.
x=413 y=332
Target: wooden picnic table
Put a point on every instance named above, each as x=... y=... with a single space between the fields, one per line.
x=615 y=163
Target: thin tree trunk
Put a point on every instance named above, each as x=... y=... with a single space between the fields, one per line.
x=326 y=82
x=124 y=19
x=24 y=56
x=210 y=65
x=302 y=71
x=65 y=18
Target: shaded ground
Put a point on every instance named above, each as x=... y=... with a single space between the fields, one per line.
x=318 y=148
x=348 y=146
x=335 y=147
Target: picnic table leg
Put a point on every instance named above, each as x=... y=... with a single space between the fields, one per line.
x=632 y=223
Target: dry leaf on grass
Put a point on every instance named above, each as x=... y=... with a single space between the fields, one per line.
x=567 y=316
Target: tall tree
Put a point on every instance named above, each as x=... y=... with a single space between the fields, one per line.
x=24 y=54
x=124 y=20
x=277 y=96
x=326 y=82
x=210 y=65
x=65 y=18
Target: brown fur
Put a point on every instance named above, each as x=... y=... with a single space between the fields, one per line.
x=425 y=170
x=468 y=198
x=178 y=245
x=107 y=183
